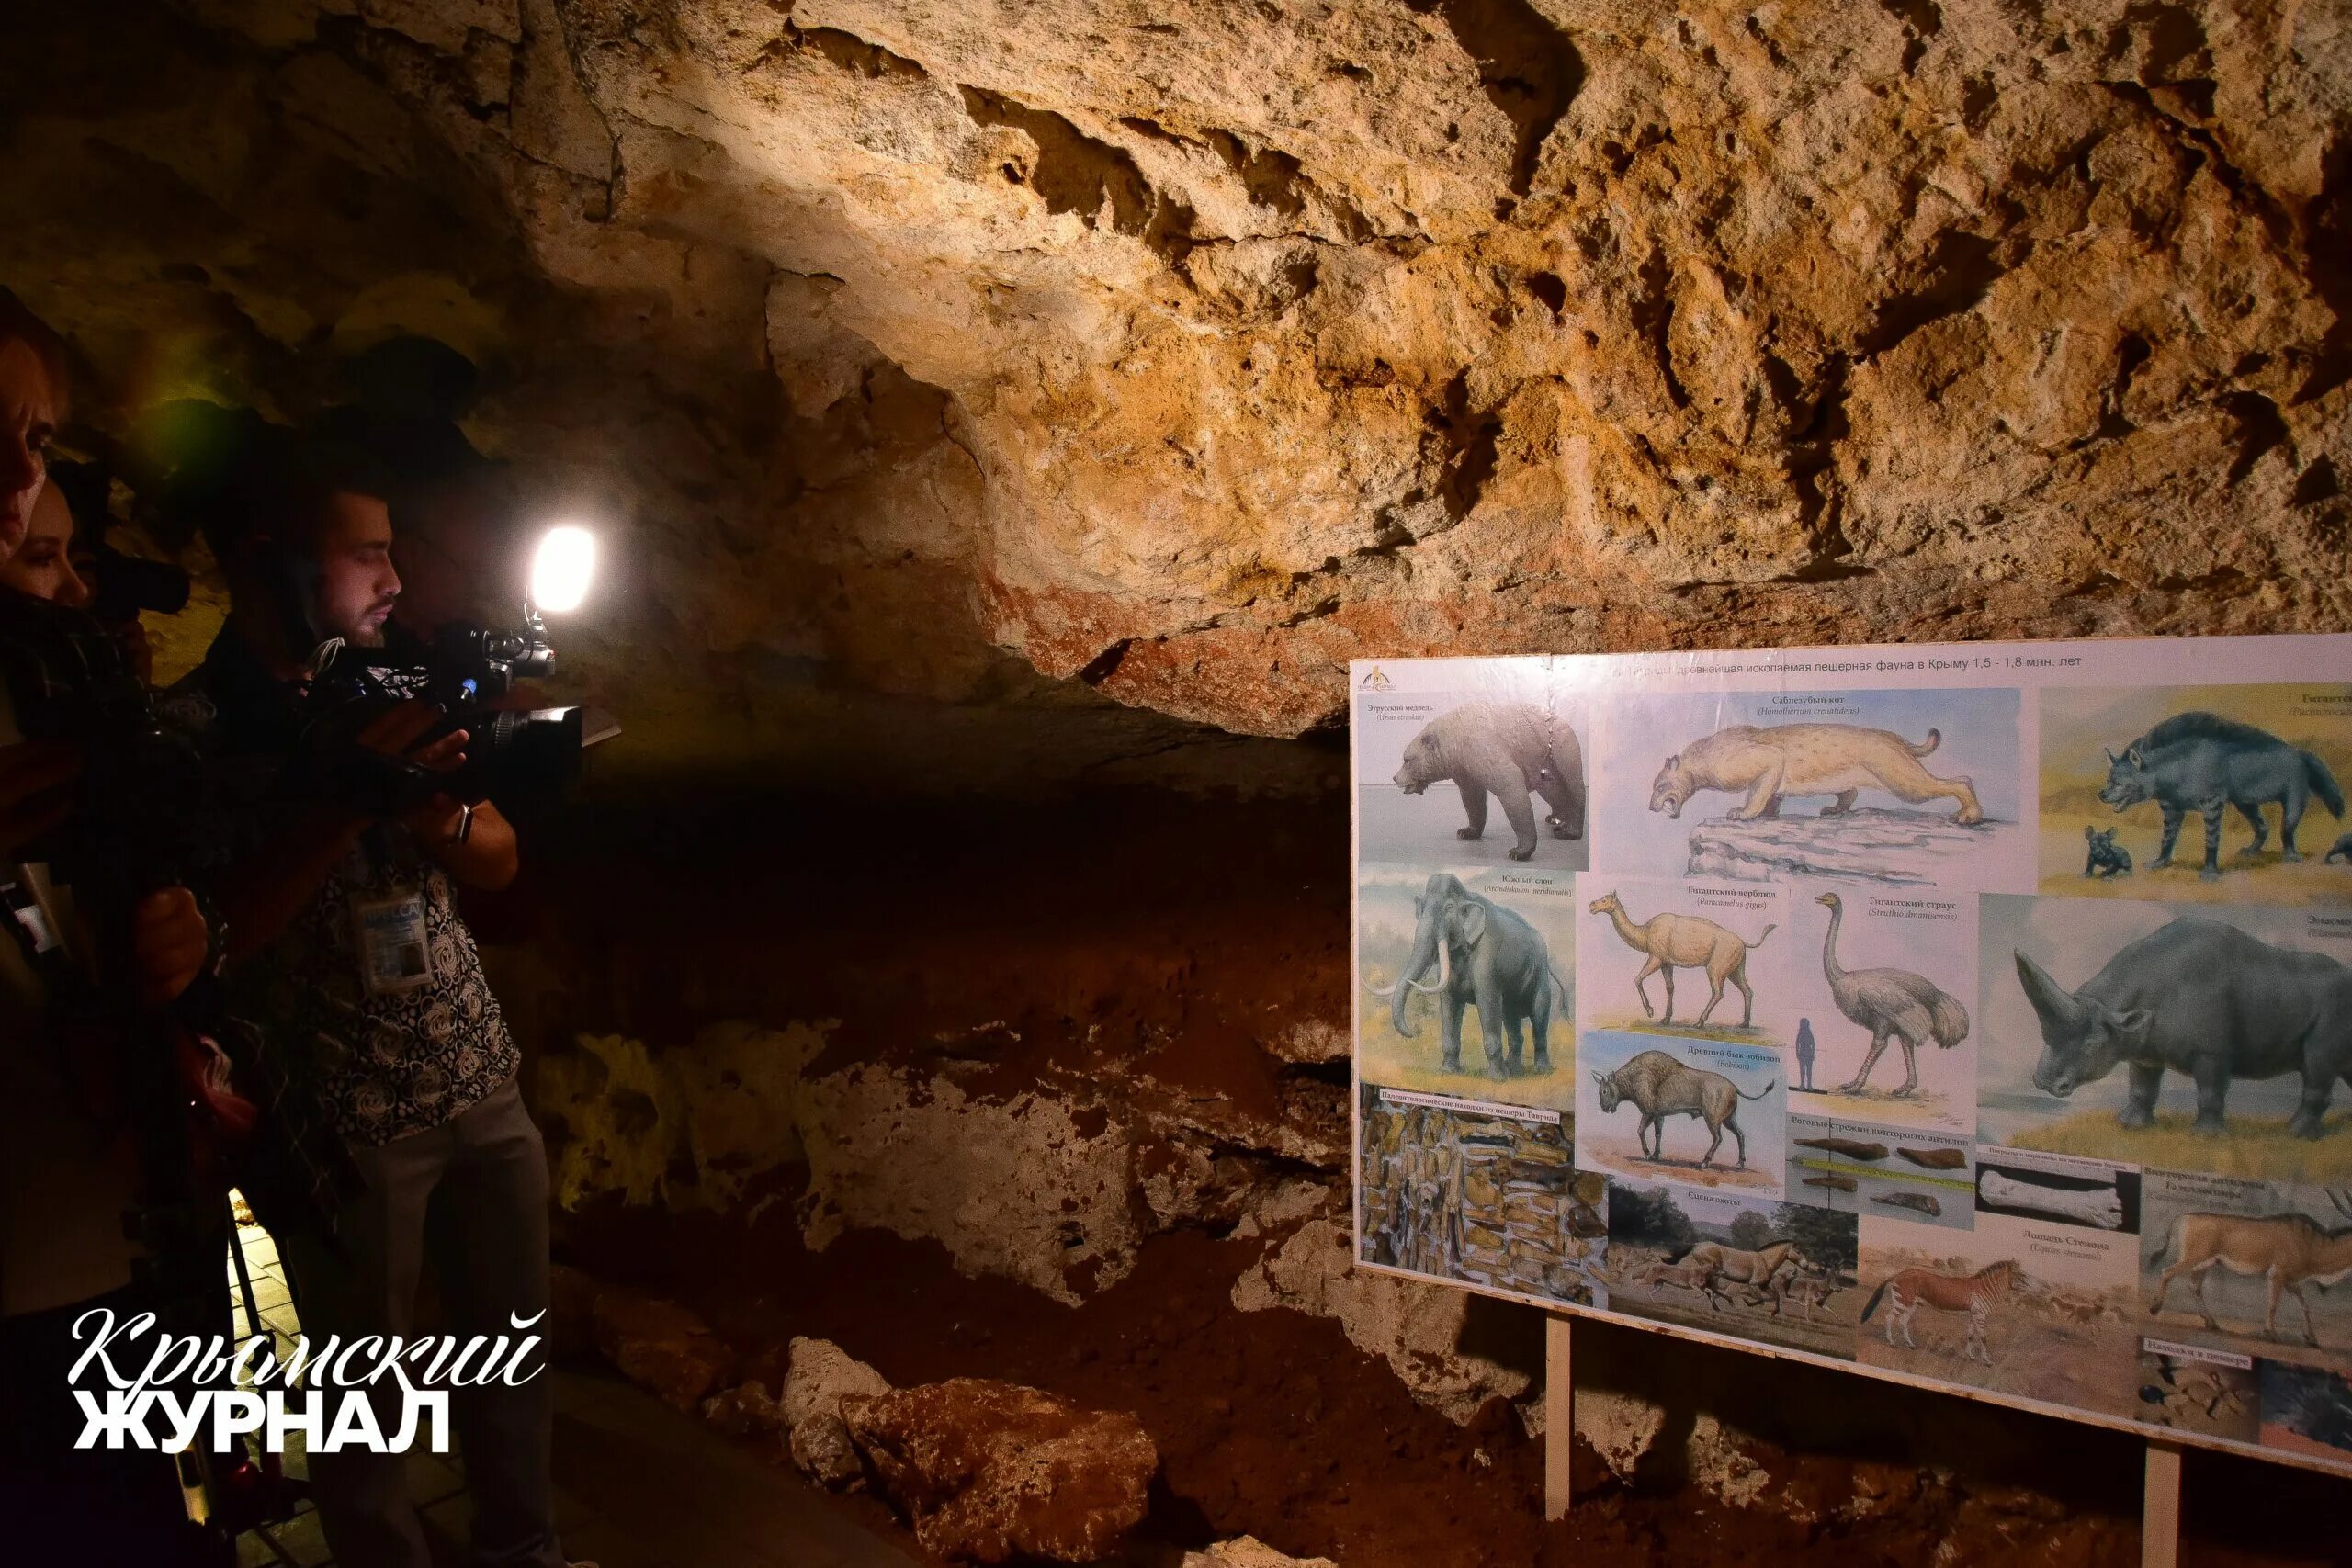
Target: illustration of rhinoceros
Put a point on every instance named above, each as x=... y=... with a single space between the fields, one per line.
x=2204 y=998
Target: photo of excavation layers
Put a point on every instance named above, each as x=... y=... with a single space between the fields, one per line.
x=1866 y=788
x=2197 y=793
x=1486 y=1199
x=2192 y=1390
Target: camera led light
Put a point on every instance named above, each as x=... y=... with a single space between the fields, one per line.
x=561 y=570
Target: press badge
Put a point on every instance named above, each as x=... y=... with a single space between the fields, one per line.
x=394 y=956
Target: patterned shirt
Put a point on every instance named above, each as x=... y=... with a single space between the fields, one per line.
x=375 y=987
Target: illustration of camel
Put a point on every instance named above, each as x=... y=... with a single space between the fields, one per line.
x=1684 y=941
x=1976 y=1294
x=1889 y=1002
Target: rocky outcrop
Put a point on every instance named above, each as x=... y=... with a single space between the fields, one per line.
x=1182 y=356
x=1416 y=1328
x=688 y=1128
x=1248 y=1552
x=990 y=1471
x=820 y=1378
x=920 y=1156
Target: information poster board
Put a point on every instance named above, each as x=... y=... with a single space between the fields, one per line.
x=1974 y=1015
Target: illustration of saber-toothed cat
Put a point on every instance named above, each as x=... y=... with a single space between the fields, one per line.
x=2106 y=855
x=2205 y=763
x=1770 y=762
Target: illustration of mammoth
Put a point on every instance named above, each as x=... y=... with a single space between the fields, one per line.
x=1485 y=957
x=1510 y=750
x=1769 y=762
x=2204 y=998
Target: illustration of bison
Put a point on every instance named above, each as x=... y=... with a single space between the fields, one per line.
x=2204 y=998
x=1660 y=1087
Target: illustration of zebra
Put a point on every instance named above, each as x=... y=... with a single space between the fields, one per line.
x=1975 y=1294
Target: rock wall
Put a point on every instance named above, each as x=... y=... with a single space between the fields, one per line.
x=1017 y=399
x=1185 y=350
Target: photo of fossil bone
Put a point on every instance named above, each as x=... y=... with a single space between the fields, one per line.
x=1895 y=788
x=2192 y=1388
x=1431 y=765
x=2059 y=1187
x=1783 y=1273
x=1853 y=1168
x=2017 y=1305
x=1887 y=978
x=1487 y=1199
x=2247 y=1266
x=1705 y=1113
x=2200 y=792
x=1469 y=985
x=1688 y=959
x=2211 y=1038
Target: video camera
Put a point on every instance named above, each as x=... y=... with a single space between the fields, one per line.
x=510 y=754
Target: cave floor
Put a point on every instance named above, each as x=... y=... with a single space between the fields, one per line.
x=638 y=1484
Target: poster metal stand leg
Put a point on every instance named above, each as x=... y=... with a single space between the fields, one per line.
x=1560 y=1417
x=2159 y=1508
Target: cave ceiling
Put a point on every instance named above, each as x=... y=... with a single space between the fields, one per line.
x=1134 y=363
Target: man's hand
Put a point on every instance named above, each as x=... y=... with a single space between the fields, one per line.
x=486 y=857
x=396 y=731
x=36 y=790
x=168 y=943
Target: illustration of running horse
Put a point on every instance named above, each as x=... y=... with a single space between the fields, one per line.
x=1975 y=1294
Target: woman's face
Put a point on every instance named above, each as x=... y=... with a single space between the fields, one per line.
x=27 y=421
x=42 y=564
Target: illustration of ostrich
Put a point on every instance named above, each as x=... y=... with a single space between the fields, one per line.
x=1889 y=1001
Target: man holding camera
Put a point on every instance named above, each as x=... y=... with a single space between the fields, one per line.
x=97 y=1207
x=349 y=952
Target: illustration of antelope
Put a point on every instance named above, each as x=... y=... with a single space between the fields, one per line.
x=1975 y=1294
x=2290 y=1250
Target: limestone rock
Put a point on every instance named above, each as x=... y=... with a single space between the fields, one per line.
x=689 y=1127
x=819 y=1377
x=1311 y=1042
x=1248 y=1552
x=989 y=1470
x=744 y=1410
x=1181 y=360
x=1416 y=1328
x=662 y=1346
x=922 y=1158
